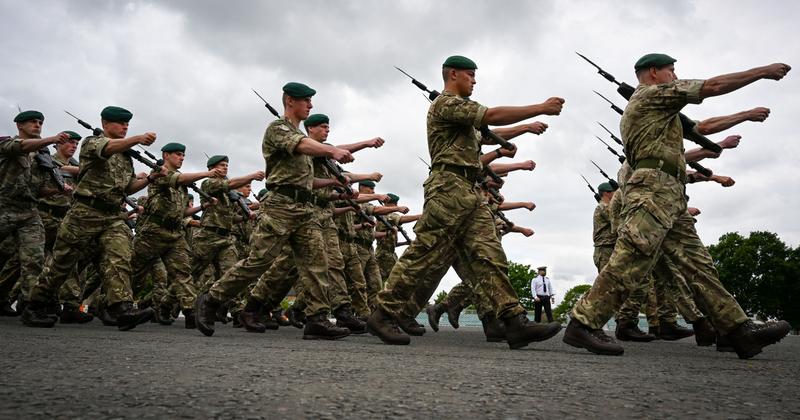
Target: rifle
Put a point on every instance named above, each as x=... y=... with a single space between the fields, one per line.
x=193 y=186
x=591 y=188
x=485 y=131
x=134 y=207
x=694 y=165
x=45 y=161
x=613 y=137
x=502 y=216
x=613 y=183
x=627 y=90
x=332 y=167
x=610 y=149
x=238 y=198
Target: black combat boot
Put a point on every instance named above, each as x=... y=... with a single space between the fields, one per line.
x=319 y=327
x=269 y=321
x=205 y=308
x=189 y=319
x=54 y=310
x=704 y=333
x=385 y=327
x=252 y=316
x=749 y=338
x=346 y=319
x=296 y=318
x=434 y=313
x=163 y=316
x=411 y=326
x=280 y=318
x=653 y=330
x=237 y=319
x=596 y=341
x=453 y=313
x=628 y=330
x=520 y=331
x=494 y=329
x=35 y=315
x=724 y=344
x=222 y=313
x=128 y=317
x=7 y=310
x=108 y=319
x=73 y=315
x=671 y=331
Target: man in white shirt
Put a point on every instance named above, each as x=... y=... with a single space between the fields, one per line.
x=542 y=295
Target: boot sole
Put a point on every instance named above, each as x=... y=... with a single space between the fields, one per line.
x=522 y=344
x=674 y=337
x=141 y=319
x=324 y=337
x=579 y=344
x=635 y=340
x=207 y=331
x=432 y=316
x=403 y=342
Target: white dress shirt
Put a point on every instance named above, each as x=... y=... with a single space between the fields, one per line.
x=540 y=286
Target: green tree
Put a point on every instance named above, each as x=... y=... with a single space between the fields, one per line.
x=520 y=276
x=570 y=298
x=761 y=272
x=442 y=295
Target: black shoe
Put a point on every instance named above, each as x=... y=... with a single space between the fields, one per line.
x=520 y=331
x=35 y=315
x=385 y=327
x=629 y=331
x=596 y=341
x=252 y=316
x=222 y=314
x=280 y=318
x=346 y=319
x=435 y=312
x=296 y=318
x=237 y=322
x=54 y=310
x=205 y=308
x=319 y=327
x=453 y=313
x=128 y=317
x=671 y=331
x=653 y=330
x=190 y=320
x=411 y=326
x=704 y=333
x=269 y=322
x=107 y=318
x=494 y=329
x=749 y=338
x=7 y=310
x=163 y=316
x=73 y=315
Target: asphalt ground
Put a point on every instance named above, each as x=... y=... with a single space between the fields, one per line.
x=91 y=371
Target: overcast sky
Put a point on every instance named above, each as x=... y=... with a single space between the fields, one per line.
x=185 y=69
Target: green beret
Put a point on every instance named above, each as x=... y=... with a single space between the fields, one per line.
x=459 y=62
x=316 y=119
x=173 y=147
x=28 y=115
x=653 y=60
x=298 y=90
x=213 y=160
x=393 y=198
x=366 y=184
x=261 y=193
x=73 y=135
x=116 y=114
x=605 y=187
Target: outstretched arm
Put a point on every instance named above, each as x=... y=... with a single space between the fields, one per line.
x=727 y=83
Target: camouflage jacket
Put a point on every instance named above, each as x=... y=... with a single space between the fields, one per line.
x=452 y=135
x=104 y=178
x=17 y=189
x=284 y=166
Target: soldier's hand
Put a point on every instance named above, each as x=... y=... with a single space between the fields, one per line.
x=383 y=198
x=146 y=138
x=693 y=211
x=208 y=204
x=141 y=175
x=776 y=71
x=552 y=106
x=216 y=172
x=508 y=153
x=530 y=206
x=730 y=142
x=194 y=223
x=68 y=190
x=527 y=232
x=376 y=176
x=758 y=114
x=163 y=172
x=725 y=181
x=258 y=175
x=403 y=209
x=528 y=165
x=251 y=215
x=59 y=138
x=537 y=127
x=341 y=155
x=376 y=142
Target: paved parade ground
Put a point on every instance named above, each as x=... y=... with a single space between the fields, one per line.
x=93 y=371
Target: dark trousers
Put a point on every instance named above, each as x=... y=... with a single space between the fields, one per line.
x=544 y=301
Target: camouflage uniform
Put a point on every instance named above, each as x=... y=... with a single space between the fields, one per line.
x=160 y=237
x=18 y=216
x=384 y=250
x=353 y=270
x=94 y=218
x=212 y=243
x=654 y=213
x=455 y=216
x=366 y=254
x=287 y=216
x=603 y=236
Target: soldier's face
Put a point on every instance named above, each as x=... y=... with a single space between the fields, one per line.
x=465 y=82
x=223 y=166
x=30 y=128
x=319 y=132
x=300 y=107
x=174 y=159
x=115 y=130
x=363 y=189
x=68 y=148
x=246 y=190
x=664 y=74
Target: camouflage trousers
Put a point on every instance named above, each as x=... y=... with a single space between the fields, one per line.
x=655 y=221
x=282 y=221
x=153 y=245
x=454 y=218
x=354 y=277
x=386 y=261
x=27 y=255
x=372 y=273
x=278 y=280
x=81 y=227
x=210 y=248
x=70 y=292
